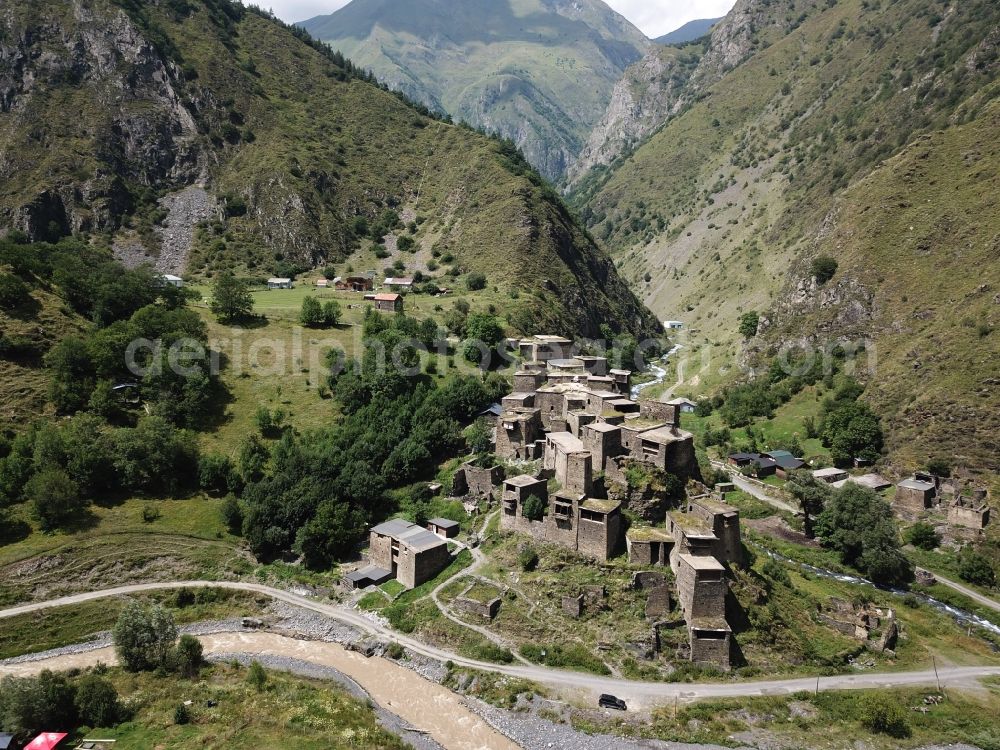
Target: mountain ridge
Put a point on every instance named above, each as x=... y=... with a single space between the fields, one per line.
x=789 y=113
x=689 y=32
x=137 y=101
x=535 y=71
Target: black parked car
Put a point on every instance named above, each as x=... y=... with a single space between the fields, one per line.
x=610 y=701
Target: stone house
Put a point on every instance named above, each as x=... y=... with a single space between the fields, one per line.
x=701 y=591
x=444 y=527
x=914 y=496
x=279 y=283
x=410 y=554
x=648 y=546
x=390 y=303
x=587 y=525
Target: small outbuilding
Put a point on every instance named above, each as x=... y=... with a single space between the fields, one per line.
x=686 y=405
x=171 y=280
x=443 y=527
x=279 y=283
x=830 y=474
x=392 y=303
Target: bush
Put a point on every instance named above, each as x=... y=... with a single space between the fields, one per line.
x=14 y=293
x=394 y=651
x=975 y=568
x=527 y=558
x=97 y=702
x=214 y=470
x=257 y=677
x=475 y=281
x=150 y=514
x=188 y=656
x=55 y=498
x=749 y=323
x=232 y=514
x=923 y=536
x=776 y=572
x=182 y=715
x=823 y=268
x=534 y=508
x=939 y=467
x=881 y=714
x=144 y=637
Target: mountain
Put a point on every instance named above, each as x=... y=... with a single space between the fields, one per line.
x=688 y=32
x=539 y=72
x=203 y=135
x=856 y=130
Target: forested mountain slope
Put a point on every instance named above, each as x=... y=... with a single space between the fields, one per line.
x=539 y=72
x=805 y=145
x=206 y=136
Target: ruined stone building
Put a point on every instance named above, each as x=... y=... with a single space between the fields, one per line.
x=698 y=544
x=588 y=525
x=965 y=506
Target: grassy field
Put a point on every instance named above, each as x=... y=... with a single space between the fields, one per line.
x=829 y=720
x=65 y=626
x=289 y=712
x=115 y=546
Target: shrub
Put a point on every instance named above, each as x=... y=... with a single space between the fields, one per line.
x=975 y=568
x=144 y=637
x=188 y=656
x=232 y=514
x=394 y=651
x=534 y=509
x=527 y=558
x=97 y=702
x=939 y=467
x=776 y=572
x=14 y=293
x=257 y=677
x=923 y=536
x=823 y=268
x=182 y=715
x=475 y=281
x=150 y=514
x=881 y=714
x=55 y=498
x=749 y=323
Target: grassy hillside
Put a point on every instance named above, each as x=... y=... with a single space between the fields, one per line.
x=536 y=71
x=721 y=211
x=304 y=161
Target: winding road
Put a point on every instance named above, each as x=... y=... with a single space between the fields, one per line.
x=636 y=693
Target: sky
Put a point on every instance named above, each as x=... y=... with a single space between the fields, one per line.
x=654 y=17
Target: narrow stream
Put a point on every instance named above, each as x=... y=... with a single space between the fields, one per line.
x=960 y=615
x=660 y=373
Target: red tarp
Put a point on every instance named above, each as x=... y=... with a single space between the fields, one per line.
x=46 y=741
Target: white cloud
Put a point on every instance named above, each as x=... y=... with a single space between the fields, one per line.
x=654 y=17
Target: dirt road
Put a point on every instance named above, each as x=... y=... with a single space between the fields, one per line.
x=636 y=693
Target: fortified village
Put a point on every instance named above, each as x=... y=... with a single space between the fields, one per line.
x=576 y=416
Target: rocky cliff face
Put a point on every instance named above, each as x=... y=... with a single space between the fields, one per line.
x=141 y=134
x=650 y=91
x=658 y=86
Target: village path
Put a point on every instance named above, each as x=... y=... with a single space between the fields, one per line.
x=637 y=693
x=753 y=490
x=478 y=560
x=966 y=591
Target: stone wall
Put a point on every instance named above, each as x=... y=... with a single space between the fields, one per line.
x=659 y=602
x=968 y=517
x=482 y=481
x=660 y=411
x=380 y=551
x=485 y=610
x=713 y=650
